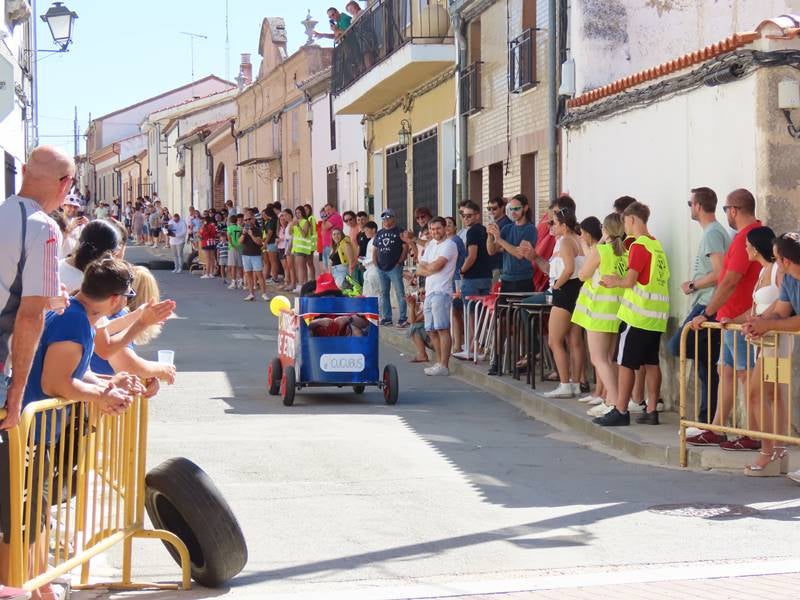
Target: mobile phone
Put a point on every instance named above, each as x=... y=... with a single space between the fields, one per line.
x=491 y=218
x=80 y=214
x=332 y=22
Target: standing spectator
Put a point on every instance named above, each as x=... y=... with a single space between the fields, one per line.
x=451 y=233
x=497 y=215
x=705 y=272
x=343 y=257
x=302 y=245
x=732 y=297
x=313 y=229
x=372 y=280
x=351 y=228
x=644 y=312
x=271 y=265
x=234 y=232
x=339 y=23
x=154 y=224
x=101 y=212
x=29 y=283
x=514 y=241
x=75 y=220
x=137 y=223
x=476 y=272
x=284 y=249
x=222 y=250
x=438 y=266
x=98 y=237
x=177 y=232
x=251 y=241
x=208 y=246
x=389 y=253
x=330 y=220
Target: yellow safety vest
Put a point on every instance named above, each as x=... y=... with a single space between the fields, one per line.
x=301 y=244
x=313 y=232
x=597 y=306
x=340 y=250
x=647 y=306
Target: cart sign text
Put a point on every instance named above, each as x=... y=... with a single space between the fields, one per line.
x=342 y=363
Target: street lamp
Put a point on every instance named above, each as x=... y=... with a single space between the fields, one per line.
x=60 y=20
x=404 y=135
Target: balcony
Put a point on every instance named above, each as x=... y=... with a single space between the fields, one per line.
x=393 y=47
x=522 y=62
x=470 y=91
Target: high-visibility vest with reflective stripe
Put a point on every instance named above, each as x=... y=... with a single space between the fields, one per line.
x=647 y=306
x=301 y=244
x=597 y=306
x=312 y=220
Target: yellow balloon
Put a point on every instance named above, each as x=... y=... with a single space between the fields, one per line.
x=278 y=304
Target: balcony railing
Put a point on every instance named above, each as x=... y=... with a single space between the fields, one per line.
x=471 y=89
x=522 y=62
x=380 y=31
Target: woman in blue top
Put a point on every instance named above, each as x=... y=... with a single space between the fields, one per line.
x=451 y=231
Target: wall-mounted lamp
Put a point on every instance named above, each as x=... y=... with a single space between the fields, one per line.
x=60 y=20
x=404 y=135
x=789 y=100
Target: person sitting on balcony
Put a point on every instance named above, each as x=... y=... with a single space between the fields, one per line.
x=339 y=24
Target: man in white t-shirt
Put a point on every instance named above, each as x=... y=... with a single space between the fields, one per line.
x=178 y=230
x=438 y=266
x=75 y=222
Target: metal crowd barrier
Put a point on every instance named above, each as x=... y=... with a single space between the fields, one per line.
x=87 y=471
x=768 y=387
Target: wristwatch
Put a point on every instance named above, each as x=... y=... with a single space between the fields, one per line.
x=692 y=286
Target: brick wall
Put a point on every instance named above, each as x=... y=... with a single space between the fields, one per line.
x=510 y=125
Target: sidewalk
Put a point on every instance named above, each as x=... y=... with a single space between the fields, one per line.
x=656 y=445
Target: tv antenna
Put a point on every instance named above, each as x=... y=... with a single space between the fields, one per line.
x=227 y=46
x=192 y=38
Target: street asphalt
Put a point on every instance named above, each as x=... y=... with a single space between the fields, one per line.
x=450 y=492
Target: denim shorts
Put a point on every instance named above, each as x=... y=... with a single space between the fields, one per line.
x=325 y=256
x=252 y=263
x=742 y=362
x=437 y=311
x=475 y=287
x=272 y=247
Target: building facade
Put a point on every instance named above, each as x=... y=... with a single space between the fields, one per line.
x=396 y=67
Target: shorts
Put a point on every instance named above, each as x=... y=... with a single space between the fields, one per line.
x=419 y=329
x=272 y=247
x=745 y=359
x=281 y=254
x=515 y=286
x=325 y=256
x=475 y=287
x=437 y=311
x=37 y=514
x=637 y=347
x=234 y=258
x=252 y=264
x=567 y=295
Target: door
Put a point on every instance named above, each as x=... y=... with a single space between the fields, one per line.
x=426 y=168
x=377 y=185
x=397 y=183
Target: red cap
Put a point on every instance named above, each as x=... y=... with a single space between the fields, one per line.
x=325 y=283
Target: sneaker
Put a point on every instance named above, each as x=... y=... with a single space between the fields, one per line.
x=707 y=438
x=269 y=280
x=741 y=444
x=232 y=286
x=386 y=322
x=613 y=418
x=463 y=355
x=437 y=371
x=249 y=298
x=648 y=418
x=211 y=276
x=588 y=399
x=600 y=410
x=179 y=271
x=660 y=405
x=297 y=289
x=429 y=370
x=240 y=284
x=576 y=389
x=563 y=390
x=204 y=276
x=794 y=476
x=264 y=297
x=694 y=431
x=584 y=387
x=493 y=371
x=402 y=324
x=595 y=401
x=635 y=407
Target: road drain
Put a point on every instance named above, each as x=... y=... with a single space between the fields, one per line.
x=702 y=510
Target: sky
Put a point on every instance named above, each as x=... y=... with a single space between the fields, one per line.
x=124 y=52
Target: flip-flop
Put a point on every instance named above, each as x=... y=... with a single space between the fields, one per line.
x=419 y=360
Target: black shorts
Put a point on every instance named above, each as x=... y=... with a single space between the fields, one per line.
x=567 y=295
x=511 y=287
x=37 y=514
x=638 y=347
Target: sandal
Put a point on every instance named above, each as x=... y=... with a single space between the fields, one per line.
x=552 y=377
x=772 y=468
x=419 y=360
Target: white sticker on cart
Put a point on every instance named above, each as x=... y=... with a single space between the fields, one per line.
x=342 y=363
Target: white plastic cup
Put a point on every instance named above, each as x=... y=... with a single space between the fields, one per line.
x=166 y=357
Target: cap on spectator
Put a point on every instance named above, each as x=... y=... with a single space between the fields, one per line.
x=72 y=201
x=388 y=214
x=325 y=283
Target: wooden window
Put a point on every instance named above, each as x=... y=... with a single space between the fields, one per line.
x=495 y=180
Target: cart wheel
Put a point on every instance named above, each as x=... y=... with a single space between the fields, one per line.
x=391 y=385
x=288 y=386
x=274 y=375
x=359 y=388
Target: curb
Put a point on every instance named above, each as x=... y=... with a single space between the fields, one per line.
x=534 y=405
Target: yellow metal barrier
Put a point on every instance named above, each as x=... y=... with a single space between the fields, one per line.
x=77 y=489
x=768 y=392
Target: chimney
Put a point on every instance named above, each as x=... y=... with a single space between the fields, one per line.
x=246 y=69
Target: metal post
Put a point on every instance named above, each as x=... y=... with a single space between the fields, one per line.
x=552 y=98
x=75 y=133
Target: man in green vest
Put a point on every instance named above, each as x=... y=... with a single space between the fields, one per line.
x=644 y=311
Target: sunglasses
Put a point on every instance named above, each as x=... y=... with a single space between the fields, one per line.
x=515 y=208
x=467 y=214
x=495 y=207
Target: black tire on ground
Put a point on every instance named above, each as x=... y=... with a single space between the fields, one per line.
x=180 y=497
x=160 y=265
x=274 y=375
x=391 y=384
x=359 y=388
x=288 y=382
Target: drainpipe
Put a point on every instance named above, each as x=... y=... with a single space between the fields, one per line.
x=462 y=160
x=235 y=164
x=552 y=99
x=136 y=160
x=210 y=166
